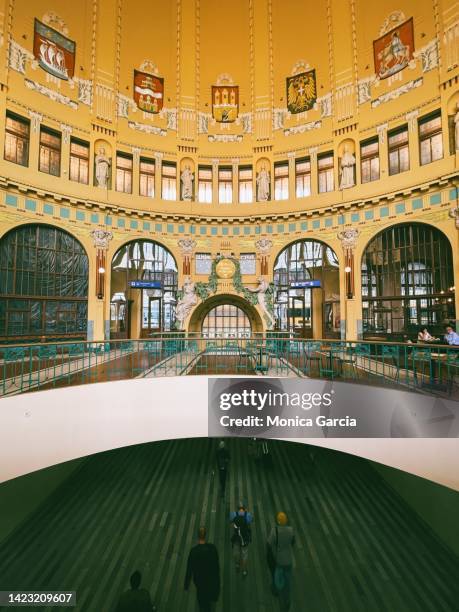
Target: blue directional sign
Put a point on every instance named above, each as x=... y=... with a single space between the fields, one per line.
x=310 y=284
x=140 y=284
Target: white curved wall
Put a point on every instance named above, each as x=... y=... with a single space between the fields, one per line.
x=48 y=427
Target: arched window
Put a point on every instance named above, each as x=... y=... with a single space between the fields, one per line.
x=407 y=282
x=305 y=271
x=43 y=284
x=226 y=321
x=143 y=290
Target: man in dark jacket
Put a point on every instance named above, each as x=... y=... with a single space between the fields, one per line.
x=136 y=599
x=204 y=568
x=223 y=458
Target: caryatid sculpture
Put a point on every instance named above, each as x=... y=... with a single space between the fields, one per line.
x=261 y=291
x=186 y=303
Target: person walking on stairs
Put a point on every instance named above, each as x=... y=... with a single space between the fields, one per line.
x=204 y=568
x=241 y=522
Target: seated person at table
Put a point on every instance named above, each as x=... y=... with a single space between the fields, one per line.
x=451 y=337
x=424 y=336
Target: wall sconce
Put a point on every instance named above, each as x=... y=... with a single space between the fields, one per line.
x=100 y=275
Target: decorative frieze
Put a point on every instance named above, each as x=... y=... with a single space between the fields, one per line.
x=203 y=122
x=326 y=105
x=19 y=57
x=364 y=89
x=396 y=93
x=428 y=55
x=147 y=129
x=50 y=93
x=225 y=138
x=84 y=90
x=170 y=114
x=300 y=129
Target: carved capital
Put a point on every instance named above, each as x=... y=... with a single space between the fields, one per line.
x=264 y=246
x=411 y=118
x=101 y=239
x=348 y=239
x=313 y=154
x=186 y=246
x=382 y=131
x=36 y=119
x=66 y=131
x=136 y=154
x=454 y=214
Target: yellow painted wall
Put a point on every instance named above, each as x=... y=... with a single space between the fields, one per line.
x=258 y=43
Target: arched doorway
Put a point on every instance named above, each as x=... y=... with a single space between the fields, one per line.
x=306 y=296
x=43 y=284
x=143 y=290
x=225 y=316
x=407 y=282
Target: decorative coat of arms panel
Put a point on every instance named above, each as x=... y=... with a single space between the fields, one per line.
x=301 y=91
x=394 y=50
x=148 y=91
x=225 y=103
x=55 y=53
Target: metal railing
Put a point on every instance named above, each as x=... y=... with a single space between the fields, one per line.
x=421 y=367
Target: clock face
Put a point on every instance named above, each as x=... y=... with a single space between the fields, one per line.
x=225 y=268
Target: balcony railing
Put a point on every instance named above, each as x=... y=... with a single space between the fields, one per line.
x=424 y=368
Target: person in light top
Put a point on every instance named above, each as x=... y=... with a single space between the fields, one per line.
x=425 y=336
x=451 y=336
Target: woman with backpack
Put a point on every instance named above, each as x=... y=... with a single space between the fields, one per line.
x=280 y=558
x=241 y=536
